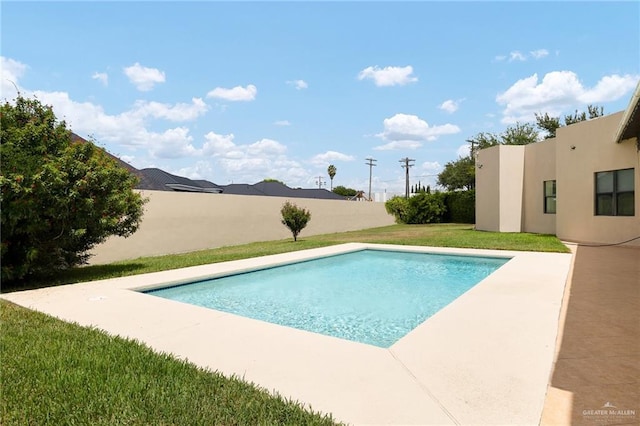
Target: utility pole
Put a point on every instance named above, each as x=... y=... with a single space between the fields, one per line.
x=370 y=162
x=407 y=163
x=320 y=182
x=473 y=148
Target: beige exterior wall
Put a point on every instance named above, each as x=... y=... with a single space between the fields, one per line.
x=177 y=222
x=511 y=189
x=595 y=151
x=499 y=180
x=487 y=189
x=539 y=166
x=572 y=159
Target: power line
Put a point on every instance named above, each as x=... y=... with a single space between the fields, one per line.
x=407 y=164
x=370 y=162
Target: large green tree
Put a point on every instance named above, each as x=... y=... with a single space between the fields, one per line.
x=459 y=174
x=59 y=197
x=519 y=134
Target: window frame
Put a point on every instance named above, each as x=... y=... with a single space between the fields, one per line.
x=546 y=197
x=614 y=194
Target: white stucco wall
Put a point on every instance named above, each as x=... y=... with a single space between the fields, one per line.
x=595 y=151
x=177 y=222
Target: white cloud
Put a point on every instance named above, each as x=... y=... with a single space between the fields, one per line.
x=128 y=158
x=102 y=77
x=431 y=167
x=298 y=84
x=282 y=123
x=172 y=143
x=251 y=163
x=177 y=112
x=610 y=88
x=127 y=130
x=449 y=106
x=408 y=131
x=218 y=144
x=237 y=93
x=328 y=157
x=11 y=71
x=394 y=145
x=558 y=91
x=144 y=78
x=388 y=76
x=539 y=54
x=266 y=147
x=516 y=56
x=464 y=150
x=200 y=170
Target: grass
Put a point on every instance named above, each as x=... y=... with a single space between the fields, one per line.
x=443 y=235
x=52 y=372
x=56 y=373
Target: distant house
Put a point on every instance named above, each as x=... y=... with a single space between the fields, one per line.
x=159 y=180
x=277 y=189
x=154 y=179
x=580 y=185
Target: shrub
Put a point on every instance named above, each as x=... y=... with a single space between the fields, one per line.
x=294 y=218
x=426 y=208
x=59 y=198
x=461 y=206
x=398 y=207
x=419 y=209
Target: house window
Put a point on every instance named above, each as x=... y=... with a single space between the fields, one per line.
x=615 y=193
x=550 y=196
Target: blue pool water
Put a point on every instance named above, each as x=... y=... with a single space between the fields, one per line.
x=368 y=296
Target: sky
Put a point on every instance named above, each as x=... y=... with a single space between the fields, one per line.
x=236 y=92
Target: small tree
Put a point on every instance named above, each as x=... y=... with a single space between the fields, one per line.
x=59 y=198
x=294 y=218
x=331 y=170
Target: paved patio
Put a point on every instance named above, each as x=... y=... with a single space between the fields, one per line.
x=597 y=372
x=484 y=359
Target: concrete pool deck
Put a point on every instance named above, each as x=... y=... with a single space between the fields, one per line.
x=484 y=359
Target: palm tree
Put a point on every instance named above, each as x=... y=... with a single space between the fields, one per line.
x=332 y=172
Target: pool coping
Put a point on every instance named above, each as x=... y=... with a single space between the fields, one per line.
x=495 y=343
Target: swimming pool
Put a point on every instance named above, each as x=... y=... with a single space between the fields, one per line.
x=369 y=296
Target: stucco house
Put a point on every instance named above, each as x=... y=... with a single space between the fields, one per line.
x=581 y=185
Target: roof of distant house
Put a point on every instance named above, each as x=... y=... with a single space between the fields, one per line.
x=154 y=179
x=170 y=182
x=278 y=189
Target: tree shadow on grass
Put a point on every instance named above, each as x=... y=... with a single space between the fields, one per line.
x=72 y=276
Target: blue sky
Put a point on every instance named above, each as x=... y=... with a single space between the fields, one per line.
x=238 y=91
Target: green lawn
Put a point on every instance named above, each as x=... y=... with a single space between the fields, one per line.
x=56 y=373
x=52 y=372
x=442 y=235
